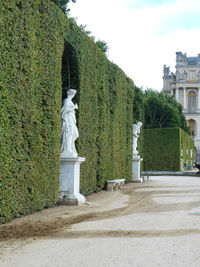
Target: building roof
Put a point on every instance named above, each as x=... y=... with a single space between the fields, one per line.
x=192 y=61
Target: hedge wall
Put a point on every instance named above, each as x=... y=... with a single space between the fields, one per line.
x=162 y=149
x=40 y=47
x=138 y=115
x=187 y=151
x=105 y=97
x=31 y=45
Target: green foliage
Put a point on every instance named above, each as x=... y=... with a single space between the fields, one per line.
x=138 y=115
x=162 y=149
x=31 y=45
x=187 y=151
x=43 y=53
x=84 y=29
x=62 y=4
x=105 y=116
x=159 y=114
x=163 y=111
x=138 y=105
x=102 y=45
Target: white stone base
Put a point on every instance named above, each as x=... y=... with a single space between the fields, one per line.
x=70 y=181
x=136 y=169
x=182 y=167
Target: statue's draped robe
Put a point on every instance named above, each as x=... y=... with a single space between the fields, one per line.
x=135 y=138
x=69 y=129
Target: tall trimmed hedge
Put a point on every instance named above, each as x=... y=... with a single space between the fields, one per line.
x=39 y=48
x=31 y=46
x=138 y=115
x=187 y=151
x=162 y=149
x=105 y=117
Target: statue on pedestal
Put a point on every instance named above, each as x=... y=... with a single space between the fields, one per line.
x=69 y=132
x=136 y=132
x=136 y=174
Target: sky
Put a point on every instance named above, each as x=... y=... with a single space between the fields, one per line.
x=142 y=35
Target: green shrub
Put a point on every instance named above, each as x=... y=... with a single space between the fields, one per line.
x=163 y=111
x=187 y=150
x=31 y=45
x=162 y=149
x=105 y=117
x=138 y=115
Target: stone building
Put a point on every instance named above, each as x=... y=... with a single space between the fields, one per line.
x=184 y=85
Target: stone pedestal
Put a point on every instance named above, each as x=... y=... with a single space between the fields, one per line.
x=70 y=181
x=136 y=169
x=182 y=167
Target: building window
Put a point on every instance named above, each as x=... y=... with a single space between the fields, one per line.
x=192 y=101
x=192 y=75
x=192 y=125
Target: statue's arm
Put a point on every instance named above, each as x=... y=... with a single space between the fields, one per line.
x=68 y=108
x=72 y=107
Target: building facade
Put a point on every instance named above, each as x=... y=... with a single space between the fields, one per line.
x=184 y=85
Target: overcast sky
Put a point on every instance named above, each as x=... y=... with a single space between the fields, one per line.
x=142 y=35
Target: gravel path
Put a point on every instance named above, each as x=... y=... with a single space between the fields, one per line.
x=156 y=223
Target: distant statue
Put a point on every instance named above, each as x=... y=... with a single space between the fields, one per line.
x=69 y=132
x=180 y=57
x=136 y=132
x=166 y=71
x=178 y=75
x=185 y=75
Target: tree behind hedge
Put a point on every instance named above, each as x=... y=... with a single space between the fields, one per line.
x=162 y=111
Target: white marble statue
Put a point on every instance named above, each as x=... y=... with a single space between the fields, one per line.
x=69 y=129
x=136 y=132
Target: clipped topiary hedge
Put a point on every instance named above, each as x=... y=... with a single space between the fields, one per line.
x=105 y=117
x=187 y=151
x=162 y=149
x=31 y=45
x=138 y=115
x=42 y=53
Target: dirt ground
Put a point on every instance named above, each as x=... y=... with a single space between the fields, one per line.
x=155 y=223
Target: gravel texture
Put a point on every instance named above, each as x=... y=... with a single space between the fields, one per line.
x=156 y=223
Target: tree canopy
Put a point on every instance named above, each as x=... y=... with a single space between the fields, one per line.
x=160 y=110
x=160 y=114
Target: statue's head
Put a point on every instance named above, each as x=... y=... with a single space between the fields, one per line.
x=71 y=92
x=139 y=125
